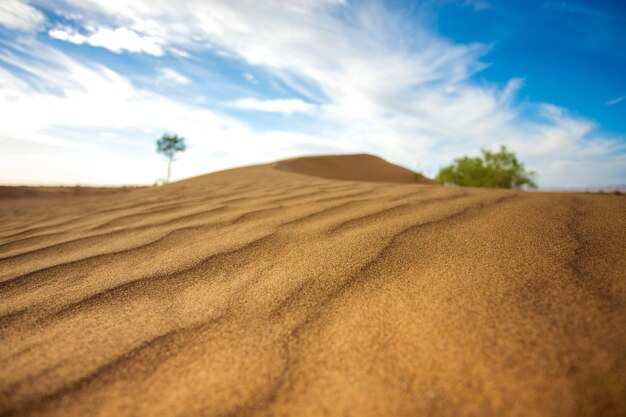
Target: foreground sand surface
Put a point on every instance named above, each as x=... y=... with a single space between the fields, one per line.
x=262 y=292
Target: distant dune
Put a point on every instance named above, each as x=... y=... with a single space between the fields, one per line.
x=351 y=168
x=261 y=291
x=16 y=199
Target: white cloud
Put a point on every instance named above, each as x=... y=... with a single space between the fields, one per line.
x=55 y=138
x=116 y=40
x=180 y=53
x=68 y=34
x=387 y=86
x=169 y=74
x=286 y=106
x=615 y=100
x=18 y=14
x=250 y=78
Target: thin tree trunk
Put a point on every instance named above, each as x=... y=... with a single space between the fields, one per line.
x=169 y=170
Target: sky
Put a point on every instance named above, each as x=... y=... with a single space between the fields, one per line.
x=87 y=86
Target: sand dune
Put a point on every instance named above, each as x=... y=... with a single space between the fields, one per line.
x=264 y=292
x=351 y=168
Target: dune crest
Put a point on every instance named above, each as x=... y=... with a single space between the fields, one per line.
x=262 y=292
x=361 y=167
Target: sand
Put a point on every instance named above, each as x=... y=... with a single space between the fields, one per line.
x=351 y=168
x=264 y=292
x=19 y=200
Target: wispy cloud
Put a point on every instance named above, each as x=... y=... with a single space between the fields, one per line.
x=286 y=106
x=250 y=78
x=55 y=137
x=168 y=74
x=385 y=86
x=19 y=15
x=116 y=40
x=615 y=100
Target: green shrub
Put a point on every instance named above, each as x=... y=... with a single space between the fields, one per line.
x=493 y=170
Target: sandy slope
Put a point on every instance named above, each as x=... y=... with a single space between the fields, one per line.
x=351 y=168
x=19 y=200
x=260 y=292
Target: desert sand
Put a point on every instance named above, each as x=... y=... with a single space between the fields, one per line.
x=270 y=291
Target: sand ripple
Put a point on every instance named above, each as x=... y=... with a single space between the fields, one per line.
x=262 y=292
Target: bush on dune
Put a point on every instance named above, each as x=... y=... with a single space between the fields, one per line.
x=494 y=170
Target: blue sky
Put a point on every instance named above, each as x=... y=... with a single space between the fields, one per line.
x=86 y=87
